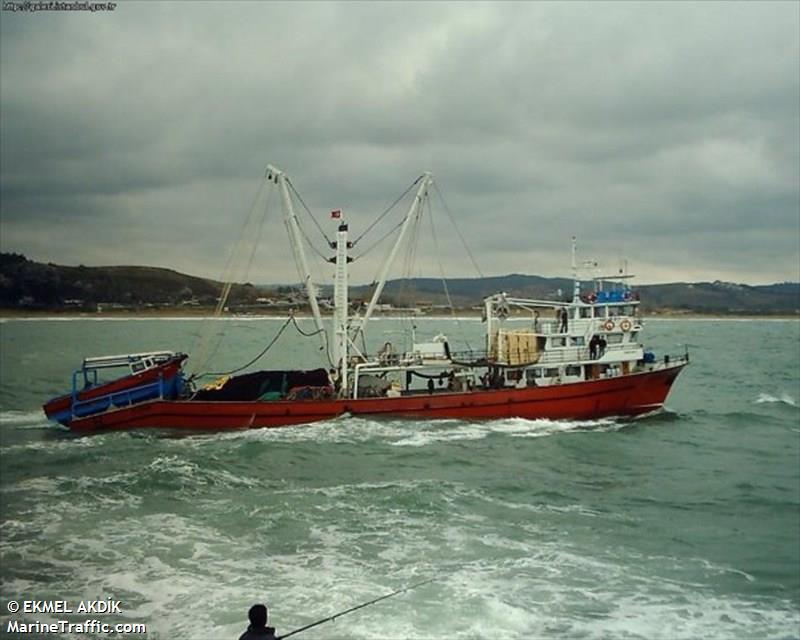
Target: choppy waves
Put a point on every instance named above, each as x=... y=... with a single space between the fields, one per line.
x=533 y=528
x=503 y=568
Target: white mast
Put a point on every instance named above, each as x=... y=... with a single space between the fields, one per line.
x=576 y=292
x=297 y=244
x=427 y=179
x=340 y=300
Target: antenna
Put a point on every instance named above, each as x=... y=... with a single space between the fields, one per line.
x=576 y=292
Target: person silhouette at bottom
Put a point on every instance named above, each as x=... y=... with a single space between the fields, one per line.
x=258 y=629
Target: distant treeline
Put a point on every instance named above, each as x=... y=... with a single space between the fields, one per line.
x=25 y=284
x=33 y=285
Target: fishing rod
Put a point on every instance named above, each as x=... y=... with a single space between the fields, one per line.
x=358 y=606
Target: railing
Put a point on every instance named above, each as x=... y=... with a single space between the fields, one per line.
x=81 y=408
x=470 y=355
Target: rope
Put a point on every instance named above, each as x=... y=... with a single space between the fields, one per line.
x=290 y=320
x=408 y=267
x=375 y=244
x=230 y=269
x=444 y=280
x=391 y=206
x=311 y=335
x=308 y=240
x=263 y=351
x=458 y=231
x=308 y=211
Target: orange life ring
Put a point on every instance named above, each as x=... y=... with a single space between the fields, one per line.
x=625 y=325
x=608 y=325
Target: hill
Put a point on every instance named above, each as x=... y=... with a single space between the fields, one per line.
x=33 y=285
x=701 y=297
x=25 y=284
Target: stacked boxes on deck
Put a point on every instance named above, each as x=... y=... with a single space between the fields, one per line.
x=514 y=347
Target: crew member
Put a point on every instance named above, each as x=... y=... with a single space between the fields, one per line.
x=594 y=344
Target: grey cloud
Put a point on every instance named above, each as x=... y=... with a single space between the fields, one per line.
x=631 y=125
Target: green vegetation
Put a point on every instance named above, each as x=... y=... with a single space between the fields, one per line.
x=25 y=284
x=29 y=285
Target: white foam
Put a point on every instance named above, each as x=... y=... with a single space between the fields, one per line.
x=435 y=432
x=783 y=398
x=36 y=417
x=66 y=443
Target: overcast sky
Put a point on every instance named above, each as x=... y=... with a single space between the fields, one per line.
x=664 y=134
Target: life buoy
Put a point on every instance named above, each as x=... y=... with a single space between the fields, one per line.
x=608 y=325
x=625 y=325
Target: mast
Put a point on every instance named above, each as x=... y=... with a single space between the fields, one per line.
x=290 y=219
x=576 y=292
x=427 y=179
x=340 y=301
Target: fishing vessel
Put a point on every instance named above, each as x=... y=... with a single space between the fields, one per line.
x=580 y=358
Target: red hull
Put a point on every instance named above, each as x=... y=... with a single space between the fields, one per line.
x=621 y=396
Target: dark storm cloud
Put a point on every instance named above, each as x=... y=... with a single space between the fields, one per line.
x=665 y=132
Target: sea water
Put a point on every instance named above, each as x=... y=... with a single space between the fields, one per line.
x=684 y=524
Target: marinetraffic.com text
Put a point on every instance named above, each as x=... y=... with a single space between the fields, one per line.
x=62 y=627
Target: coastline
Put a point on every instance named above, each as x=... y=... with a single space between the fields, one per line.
x=460 y=314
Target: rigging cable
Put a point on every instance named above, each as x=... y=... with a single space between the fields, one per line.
x=303 y=284
x=230 y=269
x=382 y=238
x=311 y=335
x=308 y=211
x=263 y=351
x=319 y=254
x=458 y=231
x=300 y=226
x=290 y=320
x=308 y=240
x=410 y=262
x=444 y=280
x=391 y=206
